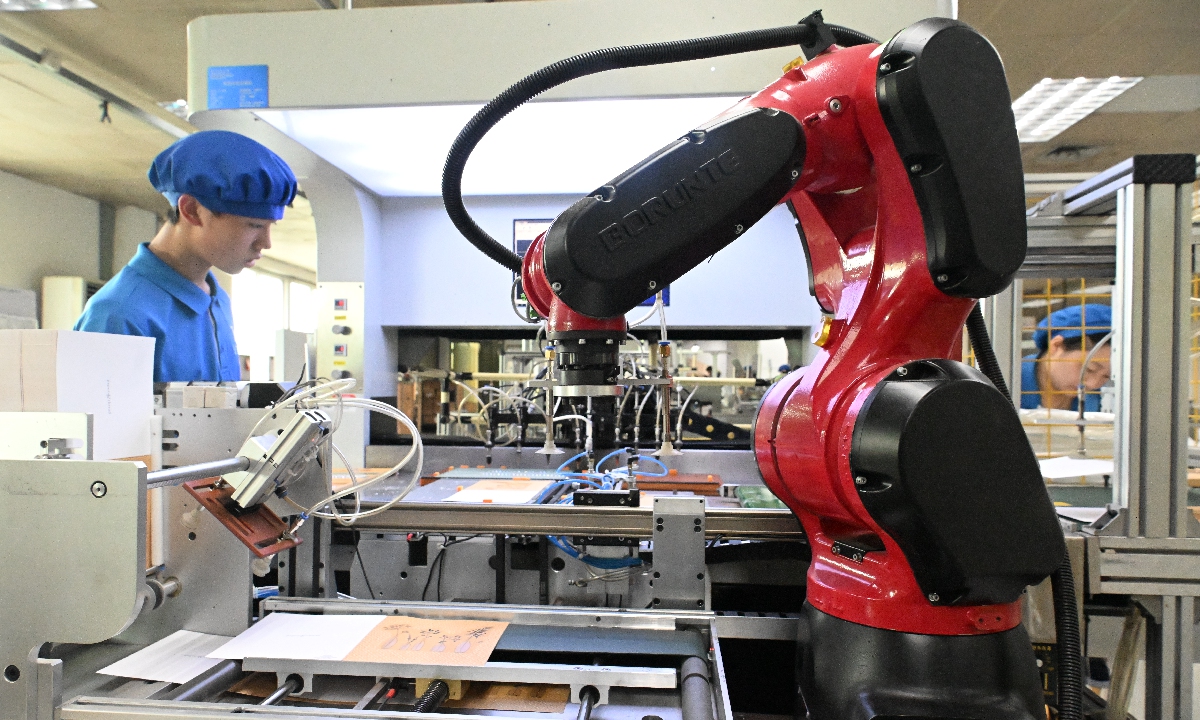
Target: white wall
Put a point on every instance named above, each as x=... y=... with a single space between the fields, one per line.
x=134 y=226
x=433 y=277
x=45 y=231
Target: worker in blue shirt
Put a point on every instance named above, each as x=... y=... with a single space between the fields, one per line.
x=1064 y=338
x=225 y=191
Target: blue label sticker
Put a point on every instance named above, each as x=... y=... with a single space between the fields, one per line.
x=666 y=298
x=237 y=86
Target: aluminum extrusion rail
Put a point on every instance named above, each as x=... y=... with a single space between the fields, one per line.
x=577 y=521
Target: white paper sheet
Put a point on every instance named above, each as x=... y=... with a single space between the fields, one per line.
x=300 y=637
x=177 y=658
x=1081 y=514
x=1065 y=467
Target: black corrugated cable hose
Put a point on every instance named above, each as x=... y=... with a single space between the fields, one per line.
x=434 y=696
x=1062 y=581
x=984 y=355
x=590 y=63
x=1070 y=654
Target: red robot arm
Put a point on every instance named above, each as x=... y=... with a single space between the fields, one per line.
x=916 y=486
x=910 y=473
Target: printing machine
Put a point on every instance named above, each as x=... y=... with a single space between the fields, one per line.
x=635 y=654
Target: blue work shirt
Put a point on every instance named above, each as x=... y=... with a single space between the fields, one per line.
x=192 y=329
x=1031 y=390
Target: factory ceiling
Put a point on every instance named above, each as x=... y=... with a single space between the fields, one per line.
x=52 y=131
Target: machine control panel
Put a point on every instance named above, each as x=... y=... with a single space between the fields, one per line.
x=339 y=330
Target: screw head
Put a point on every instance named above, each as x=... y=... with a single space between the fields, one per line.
x=885 y=67
x=556 y=286
x=835 y=105
x=943 y=278
x=99 y=489
x=901 y=371
x=653 y=284
x=738 y=229
x=795 y=174
x=933 y=597
x=860 y=480
x=915 y=168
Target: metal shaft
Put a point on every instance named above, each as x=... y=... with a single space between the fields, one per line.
x=180 y=475
x=289 y=686
x=212 y=683
x=695 y=690
x=588 y=697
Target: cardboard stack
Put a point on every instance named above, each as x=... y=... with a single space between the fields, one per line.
x=108 y=376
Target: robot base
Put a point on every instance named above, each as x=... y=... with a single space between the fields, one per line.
x=848 y=671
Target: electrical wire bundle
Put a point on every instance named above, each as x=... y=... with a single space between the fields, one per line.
x=331 y=395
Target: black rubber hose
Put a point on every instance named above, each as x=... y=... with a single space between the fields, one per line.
x=1070 y=654
x=434 y=696
x=984 y=355
x=1062 y=580
x=591 y=63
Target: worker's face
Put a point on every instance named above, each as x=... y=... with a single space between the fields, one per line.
x=1064 y=366
x=230 y=243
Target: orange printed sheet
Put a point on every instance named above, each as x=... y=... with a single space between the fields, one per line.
x=417 y=641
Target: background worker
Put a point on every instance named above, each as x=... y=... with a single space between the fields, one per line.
x=225 y=191
x=1064 y=338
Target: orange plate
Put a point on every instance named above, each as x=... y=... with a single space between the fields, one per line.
x=693 y=482
x=260 y=529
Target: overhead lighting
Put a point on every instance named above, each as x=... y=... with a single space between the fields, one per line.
x=25 y=5
x=543 y=148
x=1052 y=106
x=179 y=107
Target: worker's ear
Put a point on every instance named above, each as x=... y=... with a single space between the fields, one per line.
x=1054 y=348
x=189 y=210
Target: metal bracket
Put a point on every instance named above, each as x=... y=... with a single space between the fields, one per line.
x=282 y=676
x=680 y=580
x=1145 y=566
x=1113 y=523
x=577 y=690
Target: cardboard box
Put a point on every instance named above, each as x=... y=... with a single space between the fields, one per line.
x=193 y=396
x=110 y=377
x=221 y=397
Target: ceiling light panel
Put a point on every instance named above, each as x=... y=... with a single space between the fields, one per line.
x=540 y=149
x=1052 y=106
x=25 y=5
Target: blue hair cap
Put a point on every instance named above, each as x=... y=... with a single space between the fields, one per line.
x=227 y=173
x=1073 y=322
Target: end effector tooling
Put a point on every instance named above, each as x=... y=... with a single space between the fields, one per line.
x=278 y=457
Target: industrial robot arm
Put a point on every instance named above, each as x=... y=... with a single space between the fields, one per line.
x=912 y=476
